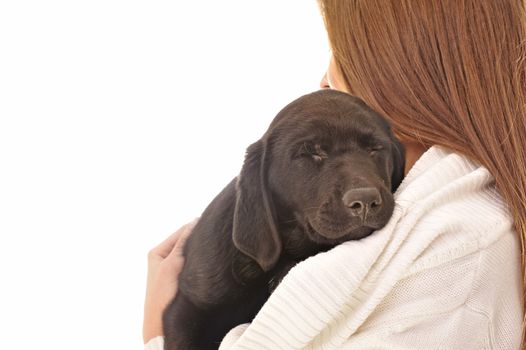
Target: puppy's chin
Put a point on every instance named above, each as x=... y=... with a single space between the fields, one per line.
x=322 y=236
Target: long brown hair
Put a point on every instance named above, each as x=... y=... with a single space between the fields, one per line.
x=445 y=72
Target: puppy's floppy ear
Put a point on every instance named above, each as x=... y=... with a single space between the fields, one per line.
x=398 y=154
x=254 y=230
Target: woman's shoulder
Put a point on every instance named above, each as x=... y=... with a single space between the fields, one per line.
x=463 y=287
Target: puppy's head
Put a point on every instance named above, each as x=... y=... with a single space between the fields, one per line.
x=327 y=161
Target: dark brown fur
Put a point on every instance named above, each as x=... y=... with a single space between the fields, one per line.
x=322 y=174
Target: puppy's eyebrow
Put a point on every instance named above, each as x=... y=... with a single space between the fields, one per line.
x=368 y=138
x=309 y=144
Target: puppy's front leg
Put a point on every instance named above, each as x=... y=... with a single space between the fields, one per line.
x=187 y=326
x=180 y=333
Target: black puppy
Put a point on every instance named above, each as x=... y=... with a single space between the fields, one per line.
x=322 y=174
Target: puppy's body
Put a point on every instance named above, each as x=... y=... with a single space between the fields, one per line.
x=215 y=297
x=210 y=294
x=321 y=175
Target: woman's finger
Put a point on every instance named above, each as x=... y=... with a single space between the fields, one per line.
x=177 y=250
x=164 y=249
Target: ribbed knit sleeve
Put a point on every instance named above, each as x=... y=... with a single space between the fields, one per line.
x=156 y=343
x=376 y=292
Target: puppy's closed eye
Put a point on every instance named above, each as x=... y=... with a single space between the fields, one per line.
x=374 y=150
x=312 y=151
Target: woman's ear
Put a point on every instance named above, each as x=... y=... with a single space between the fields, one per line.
x=254 y=230
x=398 y=155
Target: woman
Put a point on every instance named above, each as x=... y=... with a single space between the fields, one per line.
x=446 y=272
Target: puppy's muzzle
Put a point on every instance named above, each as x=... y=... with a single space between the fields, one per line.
x=363 y=202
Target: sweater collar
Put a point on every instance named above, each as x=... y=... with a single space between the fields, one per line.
x=435 y=168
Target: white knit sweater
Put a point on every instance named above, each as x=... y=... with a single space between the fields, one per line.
x=444 y=273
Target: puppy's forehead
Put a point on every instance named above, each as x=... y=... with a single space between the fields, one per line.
x=330 y=114
x=330 y=128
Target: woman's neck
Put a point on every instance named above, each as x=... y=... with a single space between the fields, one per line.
x=413 y=151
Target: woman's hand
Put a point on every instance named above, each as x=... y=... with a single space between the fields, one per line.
x=165 y=262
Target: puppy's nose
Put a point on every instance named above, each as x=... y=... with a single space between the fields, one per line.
x=361 y=201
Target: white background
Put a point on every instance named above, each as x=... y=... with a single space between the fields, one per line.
x=119 y=122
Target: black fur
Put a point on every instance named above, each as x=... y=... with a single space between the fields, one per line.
x=291 y=200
